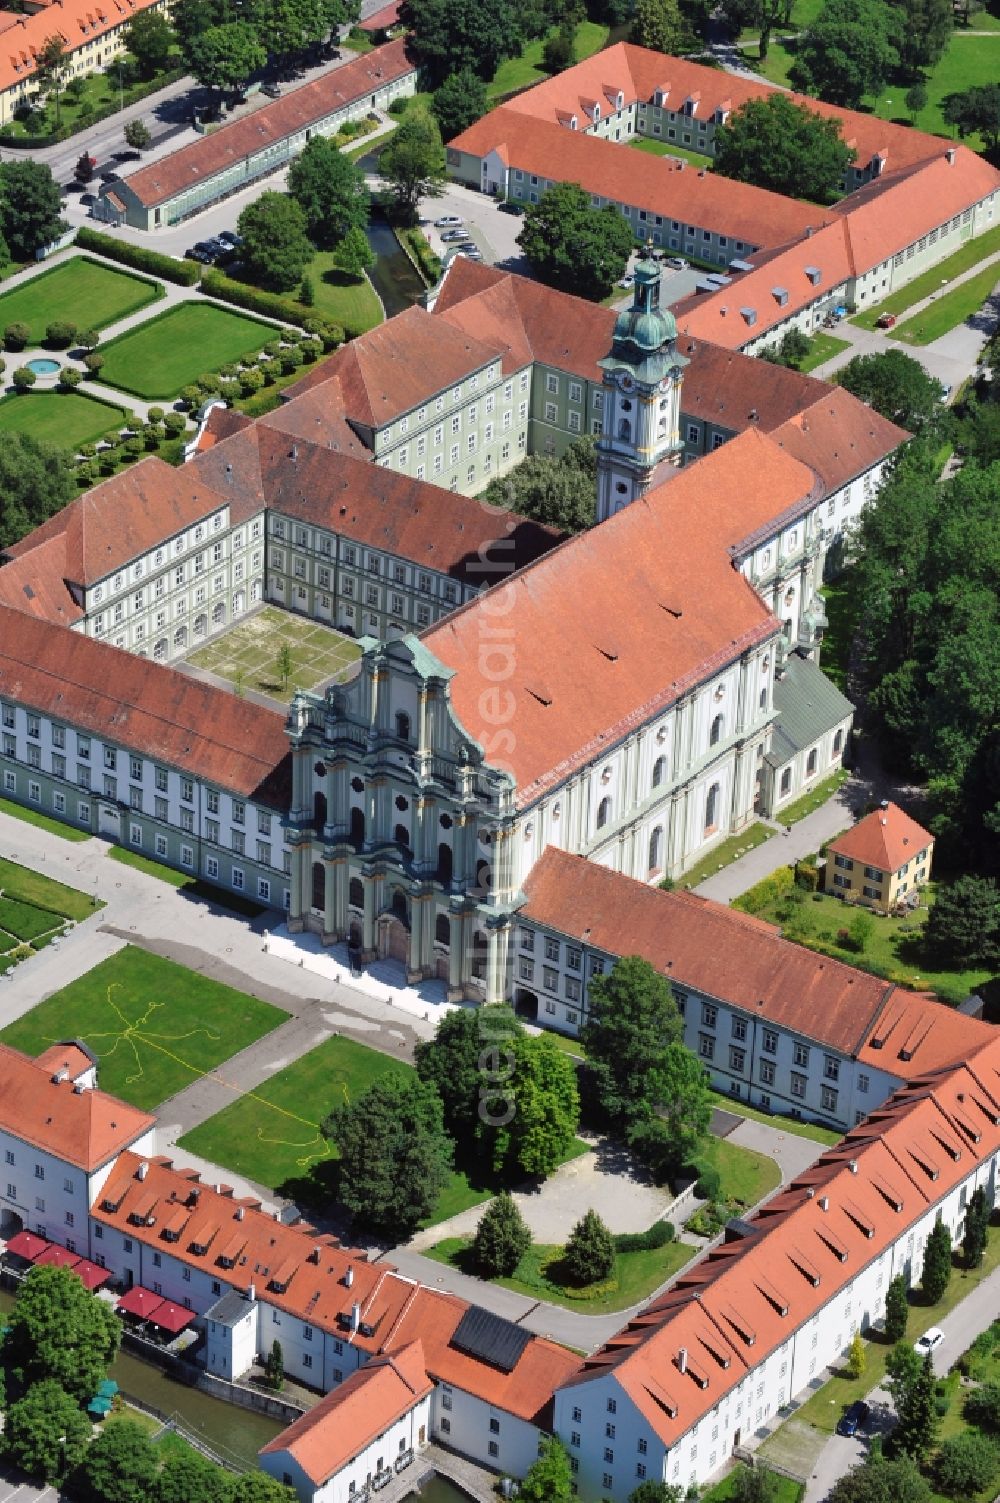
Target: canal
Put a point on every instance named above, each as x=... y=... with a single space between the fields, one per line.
x=393 y=274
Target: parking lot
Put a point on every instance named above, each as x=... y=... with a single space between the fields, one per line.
x=14 y=1489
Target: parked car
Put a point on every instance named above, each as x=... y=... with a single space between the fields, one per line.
x=929 y=1341
x=678 y=263
x=886 y=320
x=450 y=236
x=470 y=253
x=202 y=252
x=448 y=222
x=854 y=1418
x=511 y=206
x=89 y=199
x=626 y=280
x=230 y=238
x=272 y=90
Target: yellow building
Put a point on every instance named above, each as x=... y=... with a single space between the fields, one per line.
x=881 y=861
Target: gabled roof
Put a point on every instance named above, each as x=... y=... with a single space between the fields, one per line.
x=294 y=112
x=808 y=705
x=77 y=22
x=85 y=1128
x=915 y=1033
x=838 y=437
x=886 y=838
x=145 y=707
x=351 y=1416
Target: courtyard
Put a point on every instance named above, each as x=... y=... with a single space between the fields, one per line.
x=64 y=418
x=158 y=357
x=248 y=657
x=80 y=291
x=154 y=1025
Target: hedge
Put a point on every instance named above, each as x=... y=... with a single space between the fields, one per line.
x=417 y=248
x=778 y=885
x=187 y=273
x=270 y=304
x=659 y=1234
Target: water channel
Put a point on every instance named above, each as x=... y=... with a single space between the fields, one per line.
x=393 y=275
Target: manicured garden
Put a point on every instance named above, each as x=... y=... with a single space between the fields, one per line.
x=34 y=910
x=969 y=255
x=349 y=301
x=79 y=291
x=892 y=947
x=248 y=655
x=159 y=357
x=64 y=418
x=654 y=147
x=155 y=1026
x=949 y=310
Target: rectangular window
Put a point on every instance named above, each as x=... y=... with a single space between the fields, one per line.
x=706 y=1046
x=831 y=1067
x=769 y=1041
x=739 y=1027
x=802 y=1055
x=798 y=1085
x=709 y=1014
x=767 y=1072
x=737 y=1058
x=828 y=1098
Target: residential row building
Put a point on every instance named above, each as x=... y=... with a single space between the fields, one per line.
x=92 y=33
x=912 y=198
x=191 y=179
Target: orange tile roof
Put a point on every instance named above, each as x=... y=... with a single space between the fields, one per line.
x=744 y=1299
x=720 y=951
x=354 y=1415
x=77 y=22
x=667 y=186
x=34 y=581
x=294 y=112
x=838 y=437
x=85 y=1128
x=915 y=1033
x=886 y=838
x=663 y=613
x=71 y=1056
x=145 y=707
x=525 y=1391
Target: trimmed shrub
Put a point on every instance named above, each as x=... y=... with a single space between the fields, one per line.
x=190 y=396
x=186 y=273
x=69 y=379
x=23 y=378
x=251 y=380
x=230 y=390
x=93 y=362
x=60 y=334
x=133 y=446
x=88 y=339
x=15 y=337
x=806 y=875
x=174 y=423
x=155 y=414
x=659 y=1234
x=709 y=1184
x=773 y=888
x=290 y=360
x=287 y=310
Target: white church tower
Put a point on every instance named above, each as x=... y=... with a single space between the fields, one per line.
x=642 y=397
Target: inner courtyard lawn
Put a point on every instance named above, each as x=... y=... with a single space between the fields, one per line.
x=28 y=886
x=950 y=310
x=155 y=359
x=64 y=418
x=154 y=1025
x=526 y=68
x=80 y=291
x=247 y=656
x=33 y=910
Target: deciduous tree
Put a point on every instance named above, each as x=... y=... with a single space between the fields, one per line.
x=574 y=246
x=149 y=38
x=354 y=254
x=51 y=64
x=670 y=1138
x=394 y=1153
x=631 y=1024
x=187 y=1477
x=915 y=99
x=276 y=249
x=966 y=1464
x=30 y=206
x=502 y=1238
x=452 y=35
x=46 y=1432
x=921 y=30
x=458 y=1059
x=549 y=1479
x=331 y=192
x=779 y=144
x=658 y=25
x=120 y=1465
x=459 y=102
x=963 y=926
x=589 y=1254
x=982 y=1406
x=656 y=1492
x=59 y=1330
x=557 y=490
x=846 y=53
x=975 y=110
x=413 y=162
x=894 y=384
x=223 y=57
x=545 y=1111
x=881 y=1481
x=137 y=135
x=258 y=1487
x=857 y=1356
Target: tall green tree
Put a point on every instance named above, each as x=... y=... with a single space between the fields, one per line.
x=30 y=205
x=51 y=66
x=916 y=1431
x=58 y=1330
x=779 y=144
x=559 y=491
x=276 y=249
x=894 y=384
x=936 y=1271
x=756 y=1484
x=46 y=1432
x=258 y=1487
x=149 y=37
x=187 y=1477
x=658 y=25
x=121 y=1465
x=761 y=16
x=354 y=255
x=982 y=1407
x=975 y=110
x=190 y=18
x=966 y=1464
x=224 y=57
x=137 y=135
x=459 y=1058
x=631 y=1024
x=963 y=926
x=450 y=36
x=413 y=162
x=36 y=481
x=502 y=1238
x=977 y=1220
x=847 y=52
x=574 y=246
x=394 y=1154
x=881 y=1481
x=670 y=1138
x=897 y=1309
x=589 y=1254
x=459 y=102
x=546 y=1110
x=549 y=1479
x=331 y=192
x=921 y=31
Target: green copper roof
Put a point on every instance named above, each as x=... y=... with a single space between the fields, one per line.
x=808 y=706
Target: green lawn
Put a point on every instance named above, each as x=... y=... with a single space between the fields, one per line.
x=64 y=418
x=538 y=1276
x=160 y=356
x=42 y=821
x=809 y=802
x=950 y=310
x=964 y=259
x=745 y=1176
x=155 y=1025
x=346 y=300
x=822 y=347
x=786 y=1490
x=33 y=911
x=142 y=863
x=80 y=291
x=29 y=886
x=657 y=148
x=824 y=1135
x=247 y=656
x=893 y=951
x=843 y=610
x=518 y=72
x=728 y=851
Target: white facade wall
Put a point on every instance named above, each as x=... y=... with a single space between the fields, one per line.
x=49 y=1196
x=491 y=1436
x=408 y=1433
x=231 y=1348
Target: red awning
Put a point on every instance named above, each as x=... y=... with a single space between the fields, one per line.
x=91 y=1274
x=59 y=1257
x=171 y=1317
x=27 y=1245
x=139 y=1301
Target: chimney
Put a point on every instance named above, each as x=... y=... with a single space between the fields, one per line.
x=349 y=1276
x=824 y=1202
x=950 y=154
x=853 y=1166
x=251 y=1292
x=78 y=1088
x=61 y=1074
x=355 y=1315
x=682 y=1360
x=240 y=1212
x=142 y=1170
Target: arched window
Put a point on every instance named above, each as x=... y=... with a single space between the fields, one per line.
x=200 y=625
x=403 y=726
x=659 y=771
x=715 y=735
x=319 y=810
x=811 y=763
x=603 y=812
x=218 y=614
x=763 y=699
x=401 y=836
x=181 y=636
x=356 y=893
x=445 y=860
x=786 y=781
x=712 y=808
x=625 y=430
x=318 y=885
x=442 y=929
x=656 y=849
x=357 y=828
x=838 y=743
x=160 y=650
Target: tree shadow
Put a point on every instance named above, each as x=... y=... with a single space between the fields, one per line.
x=317 y=1188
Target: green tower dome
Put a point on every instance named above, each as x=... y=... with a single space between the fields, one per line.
x=645 y=335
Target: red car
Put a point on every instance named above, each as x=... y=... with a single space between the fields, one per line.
x=886 y=321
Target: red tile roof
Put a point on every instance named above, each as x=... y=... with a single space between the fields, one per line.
x=667 y=186
x=85 y=1128
x=354 y=1414
x=915 y=1033
x=382 y=19
x=76 y=22
x=145 y=707
x=838 y=437
x=294 y=112
x=886 y=838
x=74 y=1058
x=673 y=611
